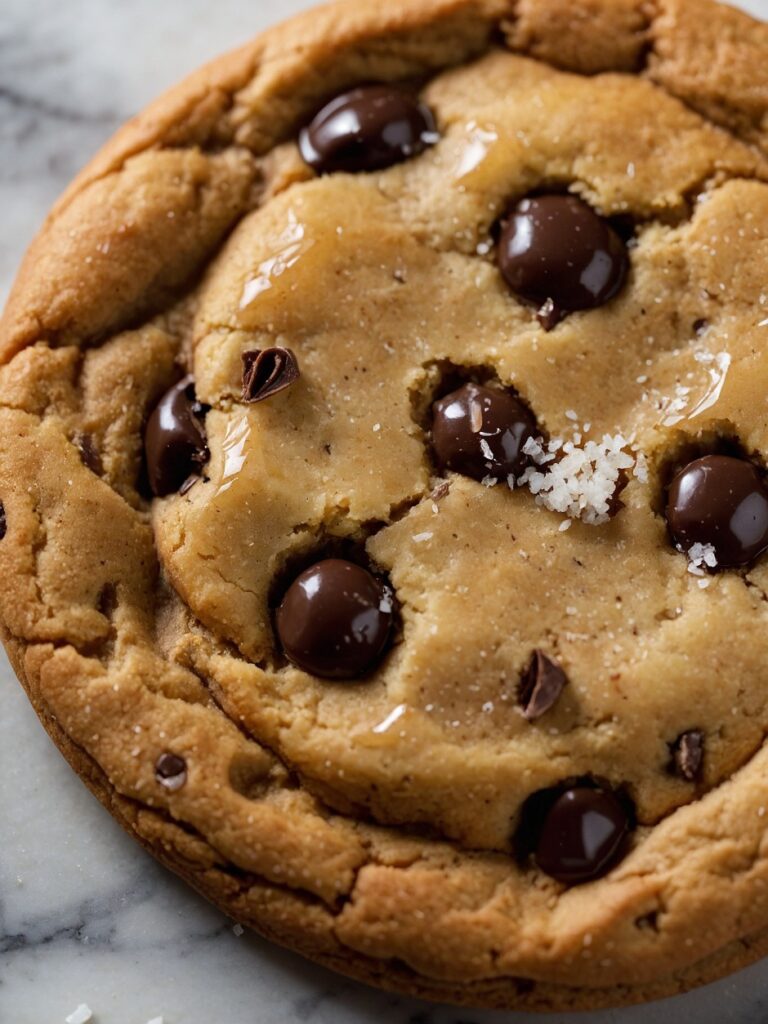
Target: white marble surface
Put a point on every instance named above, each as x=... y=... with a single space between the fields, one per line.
x=85 y=915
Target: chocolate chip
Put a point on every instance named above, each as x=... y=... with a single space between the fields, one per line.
x=557 y=253
x=265 y=373
x=174 y=440
x=480 y=432
x=89 y=453
x=720 y=501
x=688 y=754
x=336 y=620
x=3 y=521
x=582 y=835
x=541 y=685
x=367 y=129
x=171 y=771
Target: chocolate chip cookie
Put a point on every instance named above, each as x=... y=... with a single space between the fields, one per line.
x=383 y=492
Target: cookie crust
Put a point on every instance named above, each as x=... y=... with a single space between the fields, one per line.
x=89 y=354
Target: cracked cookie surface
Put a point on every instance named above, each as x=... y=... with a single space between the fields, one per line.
x=378 y=823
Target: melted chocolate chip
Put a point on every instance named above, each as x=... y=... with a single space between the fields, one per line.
x=174 y=440
x=688 y=754
x=89 y=453
x=541 y=685
x=582 y=835
x=265 y=373
x=481 y=432
x=555 y=252
x=3 y=521
x=720 y=501
x=171 y=771
x=367 y=129
x=336 y=620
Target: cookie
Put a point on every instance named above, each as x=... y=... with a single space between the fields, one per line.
x=384 y=509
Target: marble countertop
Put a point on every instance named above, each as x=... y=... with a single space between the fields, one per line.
x=85 y=915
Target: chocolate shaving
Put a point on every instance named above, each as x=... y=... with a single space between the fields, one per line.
x=267 y=372
x=3 y=521
x=688 y=754
x=89 y=453
x=540 y=686
x=188 y=484
x=441 y=491
x=171 y=771
x=550 y=315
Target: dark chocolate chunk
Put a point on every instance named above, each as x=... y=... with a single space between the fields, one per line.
x=367 y=129
x=3 y=521
x=336 y=620
x=688 y=754
x=171 y=771
x=174 y=441
x=481 y=432
x=557 y=253
x=582 y=835
x=720 y=501
x=267 y=372
x=89 y=453
x=541 y=685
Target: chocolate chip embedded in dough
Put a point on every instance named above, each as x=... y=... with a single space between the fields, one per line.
x=557 y=253
x=336 y=620
x=367 y=129
x=720 y=503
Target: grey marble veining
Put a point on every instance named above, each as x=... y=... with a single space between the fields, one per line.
x=85 y=915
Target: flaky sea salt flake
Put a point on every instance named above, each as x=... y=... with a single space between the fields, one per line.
x=82 y=1015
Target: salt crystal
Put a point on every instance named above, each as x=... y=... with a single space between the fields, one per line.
x=376 y=428
x=489 y=481
x=238 y=930
x=485 y=448
x=571 y=415
x=699 y=557
x=420 y=538
x=80 y=1016
x=582 y=481
x=565 y=525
